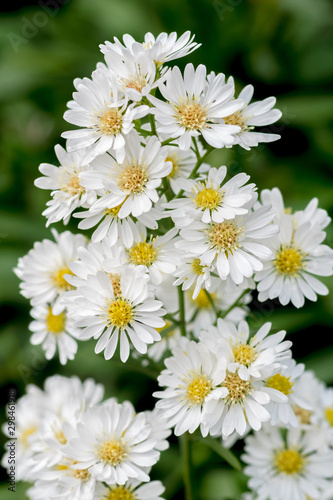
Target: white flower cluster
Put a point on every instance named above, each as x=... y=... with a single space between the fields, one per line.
x=173 y=249
x=73 y=446
x=295 y=463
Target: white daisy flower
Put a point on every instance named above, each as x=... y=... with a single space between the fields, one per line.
x=117 y=307
x=131 y=185
x=28 y=417
x=64 y=181
x=165 y=47
x=136 y=74
x=258 y=113
x=54 y=331
x=286 y=469
x=211 y=200
x=284 y=381
x=193 y=372
x=312 y=214
x=308 y=387
x=192 y=274
x=63 y=482
x=114 y=444
x=297 y=255
x=158 y=255
x=131 y=490
x=101 y=109
x=43 y=270
x=195 y=108
x=235 y=405
x=326 y=411
x=248 y=357
x=160 y=430
x=232 y=246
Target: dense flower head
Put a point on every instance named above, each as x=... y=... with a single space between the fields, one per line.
x=171 y=250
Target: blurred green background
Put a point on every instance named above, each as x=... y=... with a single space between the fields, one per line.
x=284 y=48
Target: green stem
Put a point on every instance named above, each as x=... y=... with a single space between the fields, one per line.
x=187 y=471
x=196 y=168
x=181 y=311
x=210 y=298
x=235 y=304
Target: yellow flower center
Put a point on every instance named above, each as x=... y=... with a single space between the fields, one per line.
x=289 y=261
x=280 y=383
x=60 y=437
x=329 y=415
x=59 y=279
x=113 y=452
x=236 y=119
x=208 y=198
x=113 y=212
x=304 y=416
x=289 y=461
x=175 y=164
x=143 y=253
x=224 y=236
x=192 y=115
x=197 y=268
x=55 y=322
x=238 y=388
x=25 y=435
x=72 y=186
x=136 y=82
x=80 y=474
x=133 y=179
x=244 y=354
x=119 y=312
x=110 y=122
x=202 y=301
x=198 y=389
x=115 y=281
x=120 y=493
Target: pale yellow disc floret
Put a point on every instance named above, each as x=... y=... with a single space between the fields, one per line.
x=58 y=278
x=224 y=236
x=208 y=198
x=133 y=179
x=80 y=474
x=244 y=354
x=289 y=461
x=143 y=253
x=191 y=115
x=24 y=438
x=115 y=279
x=197 y=390
x=120 y=493
x=202 y=301
x=280 y=383
x=304 y=416
x=112 y=451
x=71 y=183
x=238 y=388
x=119 y=312
x=175 y=165
x=237 y=119
x=197 y=267
x=289 y=261
x=329 y=415
x=60 y=437
x=55 y=323
x=136 y=82
x=110 y=122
